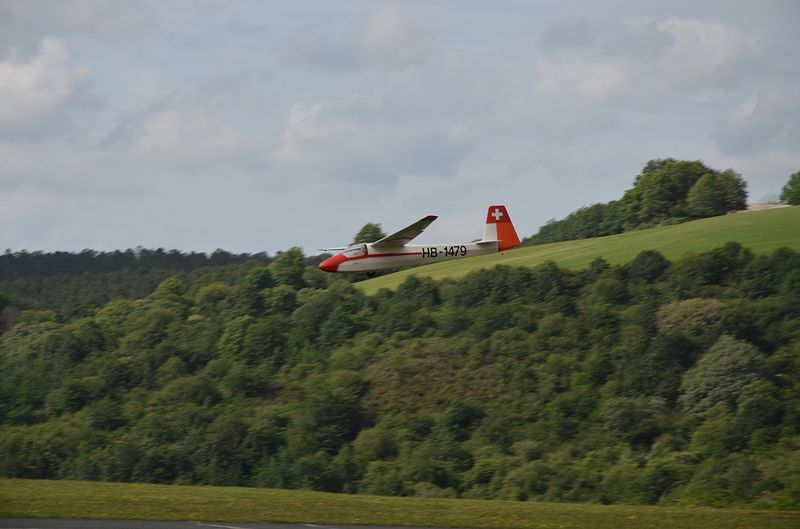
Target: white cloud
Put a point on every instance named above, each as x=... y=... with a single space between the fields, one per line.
x=194 y=135
x=646 y=58
x=361 y=139
x=572 y=75
x=388 y=37
x=304 y=132
x=24 y=24
x=395 y=37
x=767 y=121
x=40 y=96
x=701 y=49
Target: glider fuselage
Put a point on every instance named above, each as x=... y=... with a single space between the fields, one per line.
x=393 y=251
x=368 y=258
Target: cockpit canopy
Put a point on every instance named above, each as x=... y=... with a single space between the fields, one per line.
x=355 y=250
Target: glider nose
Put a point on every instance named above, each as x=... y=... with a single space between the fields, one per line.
x=331 y=264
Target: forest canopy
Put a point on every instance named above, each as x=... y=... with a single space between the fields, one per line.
x=652 y=382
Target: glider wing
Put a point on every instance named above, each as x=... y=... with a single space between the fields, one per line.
x=402 y=237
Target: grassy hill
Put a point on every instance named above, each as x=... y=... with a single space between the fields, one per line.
x=77 y=499
x=760 y=231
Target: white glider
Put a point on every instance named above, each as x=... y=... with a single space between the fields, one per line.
x=393 y=251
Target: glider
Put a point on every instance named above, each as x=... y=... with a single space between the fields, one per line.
x=393 y=251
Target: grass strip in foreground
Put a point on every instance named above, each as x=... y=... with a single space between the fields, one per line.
x=80 y=499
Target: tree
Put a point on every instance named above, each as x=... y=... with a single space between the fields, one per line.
x=331 y=414
x=636 y=421
x=327 y=318
x=383 y=477
x=790 y=194
x=171 y=289
x=691 y=317
x=704 y=201
x=657 y=370
x=648 y=266
x=764 y=275
x=259 y=279
x=209 y=295
x=371 y=232
x=376 y=443
x=460 y=418
x=608 y=289
x=289 y=267
x=689 y=276
x=733 y=190
x=716 y=194
x=265 y=340
x=280 y=300
x=720 y=375
x=660 y=191
x=422 y=292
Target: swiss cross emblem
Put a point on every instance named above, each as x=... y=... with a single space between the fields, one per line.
x=497 y=214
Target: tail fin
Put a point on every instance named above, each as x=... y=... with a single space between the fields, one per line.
x=500 y=228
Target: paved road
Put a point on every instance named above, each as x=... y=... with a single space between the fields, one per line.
x=49 y=523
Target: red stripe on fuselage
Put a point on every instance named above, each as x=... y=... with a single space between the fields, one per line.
x=381 y=255
x=331 y=264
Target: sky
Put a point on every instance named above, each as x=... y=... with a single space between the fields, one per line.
x=260 y=125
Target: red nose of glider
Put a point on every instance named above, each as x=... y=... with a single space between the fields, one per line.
x=331 y=264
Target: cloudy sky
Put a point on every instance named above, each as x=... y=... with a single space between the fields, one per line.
x=259 y=125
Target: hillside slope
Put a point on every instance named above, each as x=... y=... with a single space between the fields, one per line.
x=760 y=231
x=671 y=383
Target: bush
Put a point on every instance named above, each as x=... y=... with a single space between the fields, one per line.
x=383 y=478
x=375 y=443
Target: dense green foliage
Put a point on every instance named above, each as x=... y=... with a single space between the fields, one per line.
x=665 y=192
x=648 y=382
x=75 y=283
x=790 y=194
x=14 y=265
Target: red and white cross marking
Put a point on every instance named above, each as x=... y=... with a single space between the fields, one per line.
x=497 y=214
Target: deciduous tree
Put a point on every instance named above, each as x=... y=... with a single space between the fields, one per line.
x=371 y=232
x=720 y=376
x=790 y=194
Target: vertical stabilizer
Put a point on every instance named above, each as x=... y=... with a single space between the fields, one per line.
x=499 y=228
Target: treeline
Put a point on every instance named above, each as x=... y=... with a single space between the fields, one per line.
x=75 y=295
x=39 y=280
x=14 y=265
x=666 y=192
x=652 y=382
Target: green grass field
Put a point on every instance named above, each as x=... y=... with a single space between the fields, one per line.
x=760 y=231
x=80 y=499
